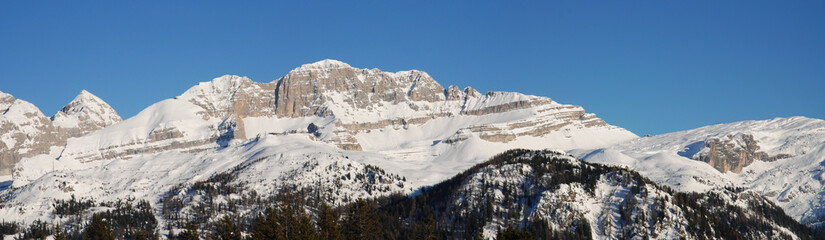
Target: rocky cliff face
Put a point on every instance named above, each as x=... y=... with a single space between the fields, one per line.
x=26 y=132
x=307 y=90
x=734 y=152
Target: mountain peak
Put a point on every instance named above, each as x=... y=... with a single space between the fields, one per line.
x=323 y=65
x=83 y=99
x=5 y=101
x=86 y=96
x=86 y=111
x=19 y=110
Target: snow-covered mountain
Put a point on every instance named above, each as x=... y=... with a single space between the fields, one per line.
x=420 y=126
x=344 y=133
x=26 y=132
x=782 y=159
x=403 y=123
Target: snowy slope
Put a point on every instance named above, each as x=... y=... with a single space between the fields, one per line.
x=268 y=161
x=795 y=183
x=556 y=196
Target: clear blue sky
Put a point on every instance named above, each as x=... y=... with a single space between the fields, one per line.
x=649 y=66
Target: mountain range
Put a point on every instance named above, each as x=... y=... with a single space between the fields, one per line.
x=347 y=133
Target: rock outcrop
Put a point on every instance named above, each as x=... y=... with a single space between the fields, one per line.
x=734 y=152
x=84 y=114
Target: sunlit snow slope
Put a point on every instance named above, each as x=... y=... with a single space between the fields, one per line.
x=795 y=181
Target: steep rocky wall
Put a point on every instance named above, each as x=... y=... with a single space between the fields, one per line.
x=734 y=152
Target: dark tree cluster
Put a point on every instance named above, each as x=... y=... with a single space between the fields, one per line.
x=124 y=219
x=72 y=206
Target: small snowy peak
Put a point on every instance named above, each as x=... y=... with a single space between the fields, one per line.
x=231 y=94
x=86 y=112
x=325 y=64
x=21 y=111
x=217 y=91
x=223 y=85
x=5 y=101
x=472 y=92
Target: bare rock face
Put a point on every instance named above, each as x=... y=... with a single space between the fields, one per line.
x=306 y=90
x=26 y=132
x=228 y=95
x=734 y=152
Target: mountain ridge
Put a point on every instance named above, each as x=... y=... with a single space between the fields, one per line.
x=793 y=181
x=345 y=103
x=352 y=132
x=26 y=132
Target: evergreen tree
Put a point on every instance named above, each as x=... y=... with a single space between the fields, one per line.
x=266 y=226
x=426 y=229
x=302 y=229
x=362 y=222
x=98 y=230
x=227 y=230
x=513 y=234
x=190 y=232
x=295 y=222
x=60 y=233
x=329 y=223
x=140 y=236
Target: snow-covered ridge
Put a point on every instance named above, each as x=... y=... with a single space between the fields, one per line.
x=564 y=194
x=325 y=64
x=26 y=132
x=349 y=106
x=793 y=182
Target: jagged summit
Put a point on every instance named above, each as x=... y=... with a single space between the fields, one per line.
x=5 y=101
x=86 y=112
x=80 y=101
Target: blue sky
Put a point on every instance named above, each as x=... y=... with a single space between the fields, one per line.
x=649 y=66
